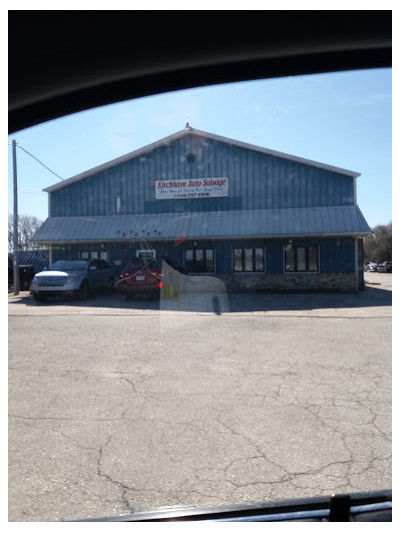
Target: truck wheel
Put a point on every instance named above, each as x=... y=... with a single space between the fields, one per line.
x=37 y=297
x=83 y=292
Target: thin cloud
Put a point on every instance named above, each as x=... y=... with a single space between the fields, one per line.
x=280 y=109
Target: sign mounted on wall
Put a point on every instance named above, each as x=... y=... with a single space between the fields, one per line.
x=196 y=188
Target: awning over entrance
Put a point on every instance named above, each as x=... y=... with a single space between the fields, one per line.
x=312 y=221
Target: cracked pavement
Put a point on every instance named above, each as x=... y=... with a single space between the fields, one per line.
x=120 y=409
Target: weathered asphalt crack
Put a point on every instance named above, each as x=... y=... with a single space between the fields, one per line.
x=131 y=383
x=122 y=486
x=315 y=411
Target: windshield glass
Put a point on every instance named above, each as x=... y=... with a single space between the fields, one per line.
x=69 y=266
x=256 y=366
x=139 y=264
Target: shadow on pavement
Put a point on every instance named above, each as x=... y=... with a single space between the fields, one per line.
x=370 y=297
x=235 y=303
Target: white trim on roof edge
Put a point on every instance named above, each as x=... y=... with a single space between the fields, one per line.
x=192 y=131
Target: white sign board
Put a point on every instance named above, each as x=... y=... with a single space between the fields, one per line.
x=196 y=188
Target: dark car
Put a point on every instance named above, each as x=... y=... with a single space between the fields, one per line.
x=386 y=267
x=26 y=273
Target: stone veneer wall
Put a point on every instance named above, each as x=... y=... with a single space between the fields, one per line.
x=291 y=282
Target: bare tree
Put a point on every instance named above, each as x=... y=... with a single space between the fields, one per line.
x=378 y=246
x=27 y=226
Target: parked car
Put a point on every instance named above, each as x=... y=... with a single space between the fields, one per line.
x=143 y=277
x=371 y=267
x=72 y=278
x=386 y=267
x=26 y=273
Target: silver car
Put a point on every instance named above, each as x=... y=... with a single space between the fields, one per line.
x=72 y=278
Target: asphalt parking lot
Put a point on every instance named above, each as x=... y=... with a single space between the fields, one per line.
x=116 y=406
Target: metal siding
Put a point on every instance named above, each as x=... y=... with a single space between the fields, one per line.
x=61 y=201
x=110 y=186
x=288 y=175
x=56 y=204
x=296 y=187
x=315 y=184
x=272 y=177
x=81 y=192
x=79 y=200
x=258 y=188
x=129 y=188
x=140 y=166
x=256 y=181
x=303 y=186
x=121 y=181
x=337 y=255
x=99 y=208
x=249 y=192
x=150 y=174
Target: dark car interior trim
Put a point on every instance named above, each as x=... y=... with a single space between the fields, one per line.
x=61 y=62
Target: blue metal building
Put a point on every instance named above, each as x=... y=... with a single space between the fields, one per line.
x=256 y=218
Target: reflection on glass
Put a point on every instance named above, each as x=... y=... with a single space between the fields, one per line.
x=199 y=254
x=209 y=260
x=237 y=260
x=289 y=259
x=301 y=258
x=248 y=259
x=313 y=258
x=259 y=260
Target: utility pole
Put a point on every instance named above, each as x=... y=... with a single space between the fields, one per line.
x=15 y=232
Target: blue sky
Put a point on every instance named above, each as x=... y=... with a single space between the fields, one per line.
x=341 y=119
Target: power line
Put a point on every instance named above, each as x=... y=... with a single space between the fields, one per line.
x=36 y=159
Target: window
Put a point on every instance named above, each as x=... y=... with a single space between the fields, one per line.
x=94 y=254
x=199 y=260
x=301 y=258
x=146 y=254
x=248 y=260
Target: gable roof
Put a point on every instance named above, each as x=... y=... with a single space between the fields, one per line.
x=191 y=131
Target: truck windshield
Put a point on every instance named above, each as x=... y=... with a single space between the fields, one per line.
x=234 y=350
x=68 y=266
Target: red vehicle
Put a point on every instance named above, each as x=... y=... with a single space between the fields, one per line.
x=141 y=277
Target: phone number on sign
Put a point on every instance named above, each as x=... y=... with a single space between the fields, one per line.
x=192 y=195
